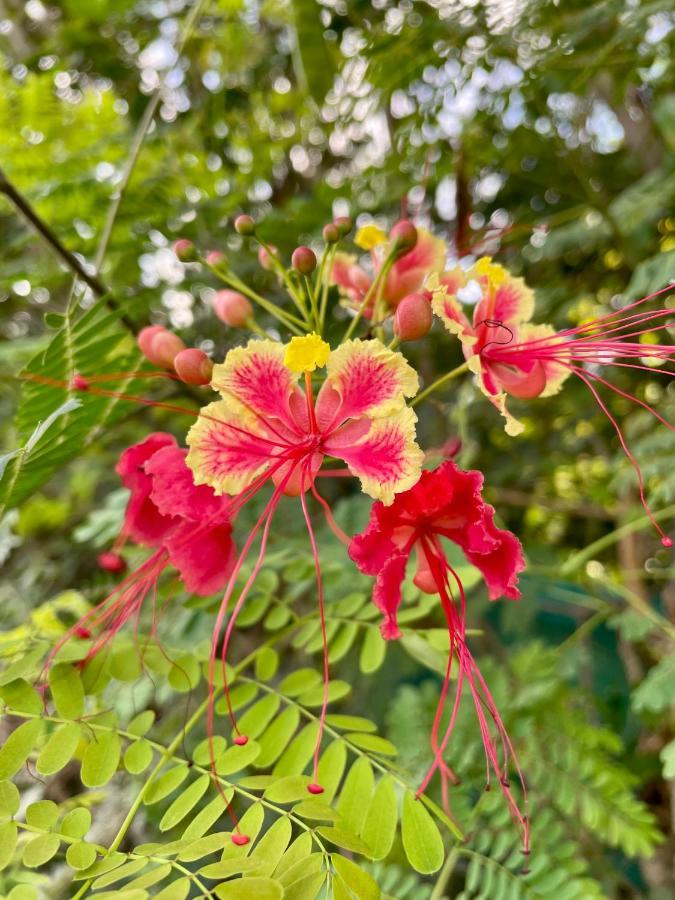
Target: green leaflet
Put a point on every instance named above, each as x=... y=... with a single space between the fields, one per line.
x=355 y=795
x=379 y=827
x=421 y=839
x=358 y=881
x=18 y=746
x=100 y=759
x=59 y=748
x=250 y=889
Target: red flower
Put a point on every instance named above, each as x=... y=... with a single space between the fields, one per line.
x=445 y=503
x=166 y=509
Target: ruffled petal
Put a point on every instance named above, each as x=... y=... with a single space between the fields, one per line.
x=227 y=447
x=370 y=379
x=371 y=549
x=349 y=276
x=510 y=301
x=204 y=557
x=386 y=459
x=410 y=271
x=496 y=553
x=174 y=491
x=448 y=310
x=512 y=426
x=255 y=375
x=143 y=521
x=387 y=594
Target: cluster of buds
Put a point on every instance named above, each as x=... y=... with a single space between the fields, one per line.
x=166 y=350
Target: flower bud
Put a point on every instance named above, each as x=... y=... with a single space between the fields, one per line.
x=303 y=260
x=331 y=233
x=185 y=250
x=161 y=347
x=111 y=562
x=244 y=225
x=413 y=318
x=79 y=383
x=145 y=338
x=215 y=258
x=193 y=366
x=264 y=256
x=232 y=308
x=344 y=225
x=404 y=235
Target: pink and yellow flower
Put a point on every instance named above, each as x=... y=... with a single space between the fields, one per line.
x=265 y=425
x=407 y=275
x=501 y=317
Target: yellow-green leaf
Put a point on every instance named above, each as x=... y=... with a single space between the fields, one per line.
x=277 y=737
x=80 y=855
x=42 y=814
x=373 y=743
x=288 y=789
x=299 y=850
x=177 y=890
x=59 y=749
x=379 y=827
x=184 y=803
x=358 y=881
x=67 y=690
x=76 y=823
x=256 y=719
x=237 y=758
x=18 y=746
x=22 y=697
x=250 y=889
x=166 y=784
x=299 y=681
x=299 y=752
x=10 y=799
x=373 y=651
x=355 y=795
x=266 y=664
x=271 y=846
x=8 y=838
x=137 y=757
x=331 y=767
x=345 y=839
x=40 y=850
x=421 y=839
x=100 y=759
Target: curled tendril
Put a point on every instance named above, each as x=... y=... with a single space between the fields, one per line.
x=495 y=323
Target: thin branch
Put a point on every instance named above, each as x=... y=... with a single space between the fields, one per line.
x=25 y=209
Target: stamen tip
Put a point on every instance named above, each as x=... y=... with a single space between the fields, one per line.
x=79 y=383
x=315 y=788
x=667 y=542
x=241 y=740
x=240 y=840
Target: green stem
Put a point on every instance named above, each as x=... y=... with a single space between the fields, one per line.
x=453 y=373
x=576 y=561
x=373 y=289
x=280 y=269
x=445 y=874
x=287 y=319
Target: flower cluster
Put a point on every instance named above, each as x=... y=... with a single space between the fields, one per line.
x=289 y=411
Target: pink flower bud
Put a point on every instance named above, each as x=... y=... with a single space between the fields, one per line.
x=331 y=233
x=193 y=366
x=303 y=260
x=264 y=256
x=413 y=318
x=185 y=250
x=232 y=308
x=79 y=383
x=244 y=225
x=215 y=258
x=111 y=562
x=145 y=338
x=404 y=235
x=159 y=345
x=344 y=225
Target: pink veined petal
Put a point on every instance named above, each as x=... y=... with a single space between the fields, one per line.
x=409 y=273
x=143 y=521
x=386 y=460
x=387 y=593
x=349 y=276
x=227 y=448
x=174 y=491
x=255 y=375
x=369 y=378
x=510 y=302
x=204 y=557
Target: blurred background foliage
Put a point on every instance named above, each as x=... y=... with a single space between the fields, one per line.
x=542 y=133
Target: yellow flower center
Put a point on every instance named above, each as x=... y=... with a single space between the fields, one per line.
x=494 y=273
x=305 y=354
x=369 y=236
